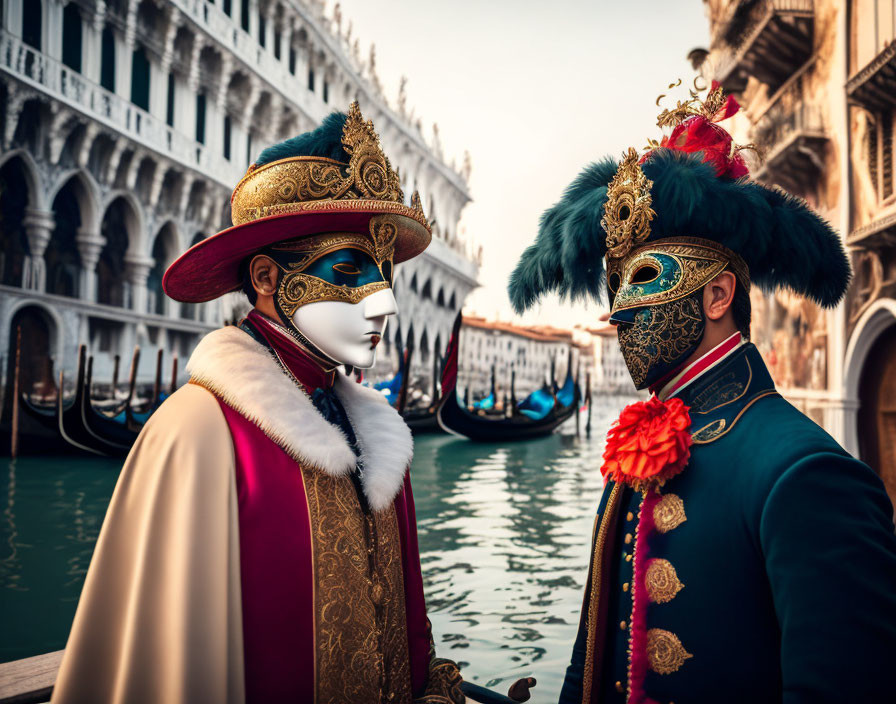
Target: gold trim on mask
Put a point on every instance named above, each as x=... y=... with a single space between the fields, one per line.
x=298 y=289
x=700 y=262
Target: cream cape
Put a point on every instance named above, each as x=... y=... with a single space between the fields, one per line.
x=160 y=616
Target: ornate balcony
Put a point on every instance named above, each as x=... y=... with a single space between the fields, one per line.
x=874 y=266
x=793 y=142
x=769 y=39
x=878 y=234
x=874 y=87
x=110 y=110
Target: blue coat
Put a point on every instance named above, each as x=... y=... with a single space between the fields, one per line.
x=776 y=572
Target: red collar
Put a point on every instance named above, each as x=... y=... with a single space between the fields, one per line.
x=299 y=363
x=686 y=375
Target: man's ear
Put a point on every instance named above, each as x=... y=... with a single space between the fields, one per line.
x=264 y=274
x=718 y=295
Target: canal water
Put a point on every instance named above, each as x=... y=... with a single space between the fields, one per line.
x=504 y=538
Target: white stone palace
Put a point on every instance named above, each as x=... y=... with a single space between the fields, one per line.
x=526 y=351
x=125 y=125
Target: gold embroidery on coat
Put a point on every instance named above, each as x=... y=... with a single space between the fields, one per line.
x=661 y=581
x=443 y=686
x=716 y=436
x=665 y=652
x=709 y=432
x=600 y=543
x=669 y=513
x=360 y=618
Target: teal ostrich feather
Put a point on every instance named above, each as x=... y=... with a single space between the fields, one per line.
x=783 y=241
x=325 y=141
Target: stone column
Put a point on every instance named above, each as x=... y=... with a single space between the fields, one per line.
x=52 y=29
x=124 y=56
x=93 y=39
x=12 y=18
x=39 y=225
x=90 y=244
x=138 y=268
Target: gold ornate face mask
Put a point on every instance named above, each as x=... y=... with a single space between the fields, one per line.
x=668 y=270
x=338 y=266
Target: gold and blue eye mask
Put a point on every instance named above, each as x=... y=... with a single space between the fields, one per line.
x=338 y=266
x=666 y=271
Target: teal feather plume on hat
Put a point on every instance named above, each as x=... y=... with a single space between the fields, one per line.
x=324 y=141
x=783 y=242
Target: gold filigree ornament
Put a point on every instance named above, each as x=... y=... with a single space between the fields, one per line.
x=707 y=107
x=665 y=653
x=668 y=513
x=303 y=183
x=628 y=211
x=661 y=581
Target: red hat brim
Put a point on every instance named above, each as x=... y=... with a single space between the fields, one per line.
x=211 y=268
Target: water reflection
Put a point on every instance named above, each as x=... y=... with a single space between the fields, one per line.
x=504 y=534
x=51 y=520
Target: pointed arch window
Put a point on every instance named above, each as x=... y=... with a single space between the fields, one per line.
x=140 y=79
x=200 y=118
x=107 y=59
x=227 y=130
x=72 y=29
x=32 y=23
x=169 y=113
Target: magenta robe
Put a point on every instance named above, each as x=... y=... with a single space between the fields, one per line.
x=277 y=571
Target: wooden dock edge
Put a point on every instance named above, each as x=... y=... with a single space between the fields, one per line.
x=29 y=681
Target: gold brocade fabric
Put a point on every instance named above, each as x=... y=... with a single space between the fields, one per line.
x=360 y=618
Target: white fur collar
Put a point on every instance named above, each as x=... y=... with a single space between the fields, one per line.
x=233 y=366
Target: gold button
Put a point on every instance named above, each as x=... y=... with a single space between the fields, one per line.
x=628 y=558
x=625 y=587
x=623 y=625
x=628 y=538
x=619 y=686
x=629 y=516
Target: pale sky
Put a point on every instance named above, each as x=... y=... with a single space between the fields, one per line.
x=535 y=91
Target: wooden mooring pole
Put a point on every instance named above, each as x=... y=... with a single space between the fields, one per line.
x=132 y=381
x=115 y=375
x=14 y=439
x=588 y=396
x=157 y=386
x=173 y=387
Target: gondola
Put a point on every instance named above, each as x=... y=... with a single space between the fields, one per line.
x=550 y=413
x=87 y=429
x=68 y=418
x=37 y=431
x=423 y=419
x=112 y=437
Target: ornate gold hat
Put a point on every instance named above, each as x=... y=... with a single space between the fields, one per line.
x=300 y=196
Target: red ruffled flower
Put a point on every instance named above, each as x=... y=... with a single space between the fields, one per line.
x=649 y=443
